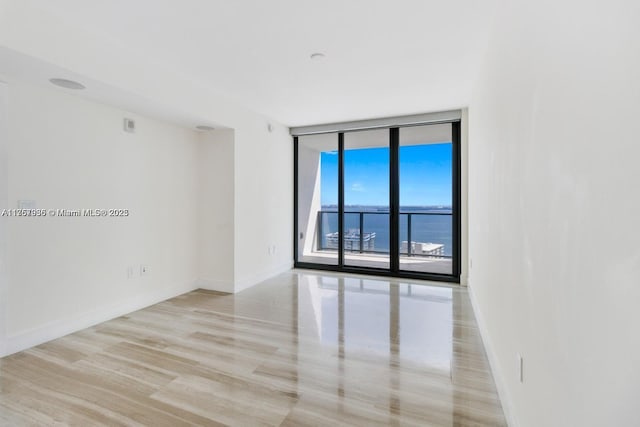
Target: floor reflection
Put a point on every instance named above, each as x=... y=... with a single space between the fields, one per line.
x=412 y=322
x=411 y=350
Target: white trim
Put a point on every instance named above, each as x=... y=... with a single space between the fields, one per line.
x=415 y=119
x=4 y=202
x=464 y=280
x=73 y=324
x=261 y=276
x=498 y=378
x=215 y=285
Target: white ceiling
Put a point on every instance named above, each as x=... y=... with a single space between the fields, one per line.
x=383 y=57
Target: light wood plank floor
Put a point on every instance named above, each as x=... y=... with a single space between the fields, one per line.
x=302 y=349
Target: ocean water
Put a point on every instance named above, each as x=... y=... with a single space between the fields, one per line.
x=428 y=225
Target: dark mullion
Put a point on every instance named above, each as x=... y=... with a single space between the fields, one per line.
x=408 y=234
x=341 y=199
x=457 y=203
x=296 y=238
x=394 y=200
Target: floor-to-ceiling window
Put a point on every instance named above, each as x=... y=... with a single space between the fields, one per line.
x=383 y=200
x=426 y=199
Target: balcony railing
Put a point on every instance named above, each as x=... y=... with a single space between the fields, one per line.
x=362 y=237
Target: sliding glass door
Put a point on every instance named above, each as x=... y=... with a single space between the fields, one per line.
x=366 y=199
x=382 y=201
x=426 y=199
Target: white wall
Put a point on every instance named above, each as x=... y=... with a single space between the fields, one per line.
x=216 y=211
x=263 y=202
x=554 y=208
x=68 y=153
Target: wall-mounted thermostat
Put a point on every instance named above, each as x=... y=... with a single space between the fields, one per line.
x=129 y=125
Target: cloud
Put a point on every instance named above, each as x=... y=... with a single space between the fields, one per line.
x=356 y=186
x=331 y=153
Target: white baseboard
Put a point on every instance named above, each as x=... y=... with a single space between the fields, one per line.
x=464 y=280
x=261 y=276
x=498 y=378
x=247 y=282
x=215 y=285
x=60 y=328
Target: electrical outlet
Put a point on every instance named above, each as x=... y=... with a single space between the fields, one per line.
x=520 y=361
x=144 y=270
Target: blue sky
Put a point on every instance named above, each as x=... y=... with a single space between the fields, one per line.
x=425 y=176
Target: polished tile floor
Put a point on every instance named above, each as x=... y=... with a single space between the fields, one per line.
x=301 y=349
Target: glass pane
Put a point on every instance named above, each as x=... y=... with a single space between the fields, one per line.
x=426 y=196
x=318 y=199
x=366 y=198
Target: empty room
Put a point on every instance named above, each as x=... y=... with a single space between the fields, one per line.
x=319 y=213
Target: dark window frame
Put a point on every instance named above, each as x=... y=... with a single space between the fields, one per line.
x=394 y=213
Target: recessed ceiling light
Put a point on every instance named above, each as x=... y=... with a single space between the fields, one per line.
x=67 y=84
x=205 y=128
x=317 y=56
